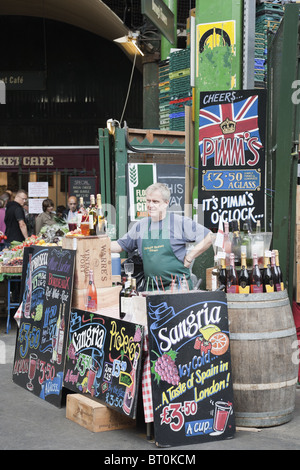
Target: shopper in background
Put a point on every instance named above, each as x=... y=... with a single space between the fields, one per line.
x=61 y=212
x=16 y=228
x=72 y=212
x=2 y=216
x=46 y=217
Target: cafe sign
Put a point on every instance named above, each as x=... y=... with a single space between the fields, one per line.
x=24 y=80
x=34 y=161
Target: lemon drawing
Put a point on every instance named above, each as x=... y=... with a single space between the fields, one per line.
x=208 y=330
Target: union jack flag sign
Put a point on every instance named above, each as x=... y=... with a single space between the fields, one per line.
x=234 y=120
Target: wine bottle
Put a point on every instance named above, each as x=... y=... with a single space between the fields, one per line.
x=232 y=277
x=280 y=279
x=214 y=274
x=246 y=241
x=222 y=272
x=92 y=215
x=267 y=274
x=244 y=279
x=121 y=297
x=101 y=222
x=256 y=285
x=227 y=243
x=83 y=218
x=236 y=243
x=133 y=291
x=91 y=293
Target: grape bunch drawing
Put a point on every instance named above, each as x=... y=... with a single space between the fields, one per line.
x=164 y=368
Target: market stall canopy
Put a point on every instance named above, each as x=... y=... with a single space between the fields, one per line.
x=91 y=15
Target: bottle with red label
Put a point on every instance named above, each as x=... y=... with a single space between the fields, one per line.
x=256 y=277
x=232 y=284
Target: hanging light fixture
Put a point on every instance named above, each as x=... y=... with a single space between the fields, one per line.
x=129 y=42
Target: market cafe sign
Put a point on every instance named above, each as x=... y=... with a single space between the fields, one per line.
x=35 y=161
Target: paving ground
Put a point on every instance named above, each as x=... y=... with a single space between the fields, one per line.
x=27 y=422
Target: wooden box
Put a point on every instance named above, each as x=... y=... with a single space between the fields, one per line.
x=297 y=243
x=106 y=297
x=298 y=205
x=94 y=416
x=297 y=283
x=91 y=253
x=209 y=278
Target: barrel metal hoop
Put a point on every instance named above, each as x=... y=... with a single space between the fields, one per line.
x=266 y=414
x=269 y=386
x=263 y=335
x=257 y=305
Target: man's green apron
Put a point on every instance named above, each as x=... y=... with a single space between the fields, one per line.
x=159 y=261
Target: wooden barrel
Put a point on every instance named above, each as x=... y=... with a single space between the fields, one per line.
x=263 y=343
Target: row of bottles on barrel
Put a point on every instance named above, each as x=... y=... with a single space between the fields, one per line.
x=91 y=220
x=244 y=280
x=252 y=240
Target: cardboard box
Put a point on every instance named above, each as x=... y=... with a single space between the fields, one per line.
x=91 y=253
x=106 y=297
x=94 y=416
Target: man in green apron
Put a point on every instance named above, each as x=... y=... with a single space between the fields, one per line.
x=161 y=241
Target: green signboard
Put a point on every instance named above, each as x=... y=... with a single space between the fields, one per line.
x=161 y=16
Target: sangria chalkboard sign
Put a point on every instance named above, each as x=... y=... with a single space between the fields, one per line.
x=41 y=339
x=190 y=367
x=103 y=359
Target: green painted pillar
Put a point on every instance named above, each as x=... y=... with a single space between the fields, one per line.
x=165 y=44
x=219 y=53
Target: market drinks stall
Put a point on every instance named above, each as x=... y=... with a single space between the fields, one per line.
x=184 y=350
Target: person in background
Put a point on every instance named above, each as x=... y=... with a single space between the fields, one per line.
x=61 y=212
x=2 y=215
x=161 y=240
x=16 y=228
x=46 y=217
x=72 y=212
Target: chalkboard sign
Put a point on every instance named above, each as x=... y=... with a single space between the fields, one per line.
x=103 y=360
x=232 y=129
x=190 y=368
x=82 y=186
x=41 y=338
x=174 y=177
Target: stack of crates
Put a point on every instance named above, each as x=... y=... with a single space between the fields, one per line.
x=180 y=88
x=268 y=18
x=164 y=94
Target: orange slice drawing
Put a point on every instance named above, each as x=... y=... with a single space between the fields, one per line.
x=219 y=343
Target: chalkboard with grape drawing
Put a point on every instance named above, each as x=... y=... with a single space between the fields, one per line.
x=41 y=338
x=103 y=360
x=189 y=348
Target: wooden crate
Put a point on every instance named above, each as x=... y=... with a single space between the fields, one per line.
x=94 y=416
x=297 y=243
x=208 y=278
x=297 y=283
x=91 y=253
x=298 y=205
x=106 y=297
